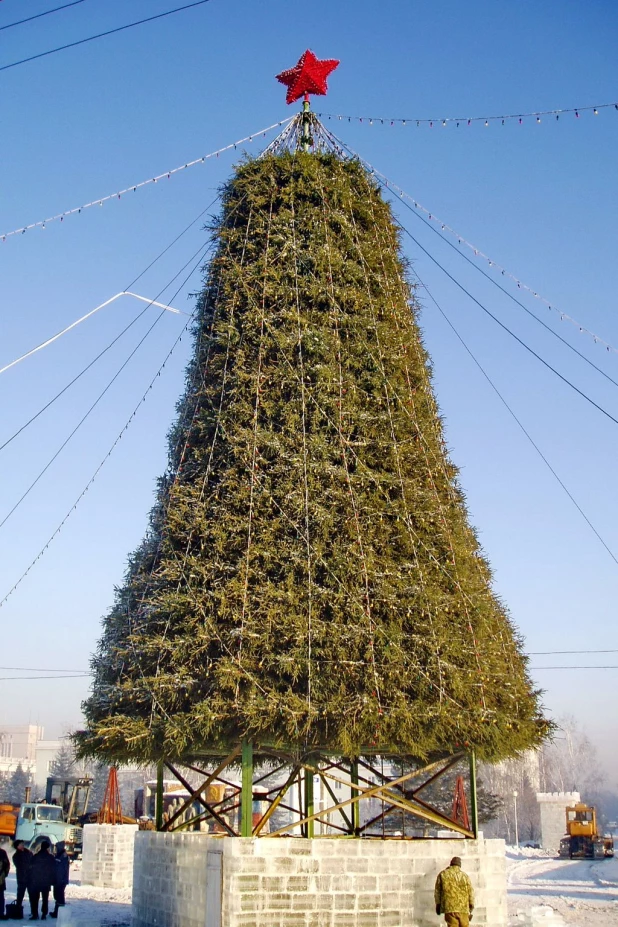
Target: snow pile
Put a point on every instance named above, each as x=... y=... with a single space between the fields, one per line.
x=513 y=853
x=539 y=916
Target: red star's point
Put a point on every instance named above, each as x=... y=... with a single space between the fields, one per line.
x=309 y=76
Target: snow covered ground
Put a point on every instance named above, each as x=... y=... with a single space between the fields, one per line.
x=86 y=906
x=580 y=893
x=542 y=892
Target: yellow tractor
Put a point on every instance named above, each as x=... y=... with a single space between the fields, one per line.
x=583 y=840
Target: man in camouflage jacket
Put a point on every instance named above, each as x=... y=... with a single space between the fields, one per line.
x=454 y=895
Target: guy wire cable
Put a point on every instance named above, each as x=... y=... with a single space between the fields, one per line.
x=112 y=448
x=29 y=19
x=402 y=195
x=100 y=35
x=517 y=420
x=508 y=330
x=77 y=210
x=204 y=249
x=507 y=293
x=117 y=338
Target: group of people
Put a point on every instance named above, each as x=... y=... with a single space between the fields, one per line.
x=37 y=873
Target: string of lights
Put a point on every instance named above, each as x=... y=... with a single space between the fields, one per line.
x=76 y=210
x=518 y=421
x=31 y=678
x=356 y=663
x=537 y=116
x=104 y=460
x=384 y=182
x=534 y=668
x=510 y=295
x=83 y=318
x=81 y=422
x=82 y=672
x=511 y=333
x=551 y=653
x=117 y=337
x=461 y=240
x=201 y=251
x=38 y=669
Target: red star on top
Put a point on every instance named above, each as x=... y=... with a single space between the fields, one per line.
x=309 y=76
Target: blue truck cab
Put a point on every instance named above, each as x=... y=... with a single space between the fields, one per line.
x=37 y=822
x=58 y=817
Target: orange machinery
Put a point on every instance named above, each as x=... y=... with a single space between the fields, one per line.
x=582 y=840
x=8 y=819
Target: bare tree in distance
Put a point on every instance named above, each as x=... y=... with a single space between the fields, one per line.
x=570 y=762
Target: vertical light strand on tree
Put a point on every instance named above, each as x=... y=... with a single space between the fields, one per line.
x=131 y=642
x=370 y=476
x=182 y=575
x=305 y=474
x=478 y=564
x=182 y=578
x=404 y=296
x=447 y=530
x=386 y=386
x=198 y=371
x=336 y=310
x=255 y=440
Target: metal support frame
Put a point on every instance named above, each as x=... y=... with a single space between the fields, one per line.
x=111 y=809
x=230 y=808
x=355 y=793
x=474 y=805
x=159 y=797
x=309 y=827
x=306 y=126
x=246 y=795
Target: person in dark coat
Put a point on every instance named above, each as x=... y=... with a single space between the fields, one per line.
x=41 y=877
x=4 y=871
x=62 y=876
x=21 y=860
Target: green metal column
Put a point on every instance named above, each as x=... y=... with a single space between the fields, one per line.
x=306 y=136
x=159 y=797
x=246 y=794
x=474 y=808
x=355 y=816
x=309 y=826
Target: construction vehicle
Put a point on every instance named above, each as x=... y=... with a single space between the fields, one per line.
x=582 y=840
x=8 y=819
x=58 y=817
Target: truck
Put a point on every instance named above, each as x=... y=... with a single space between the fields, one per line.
x=583 y=840
x=58 y=817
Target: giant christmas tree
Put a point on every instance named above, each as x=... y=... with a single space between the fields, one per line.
x=309 y=579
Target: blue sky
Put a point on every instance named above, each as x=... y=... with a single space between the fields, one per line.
x=539 y=199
